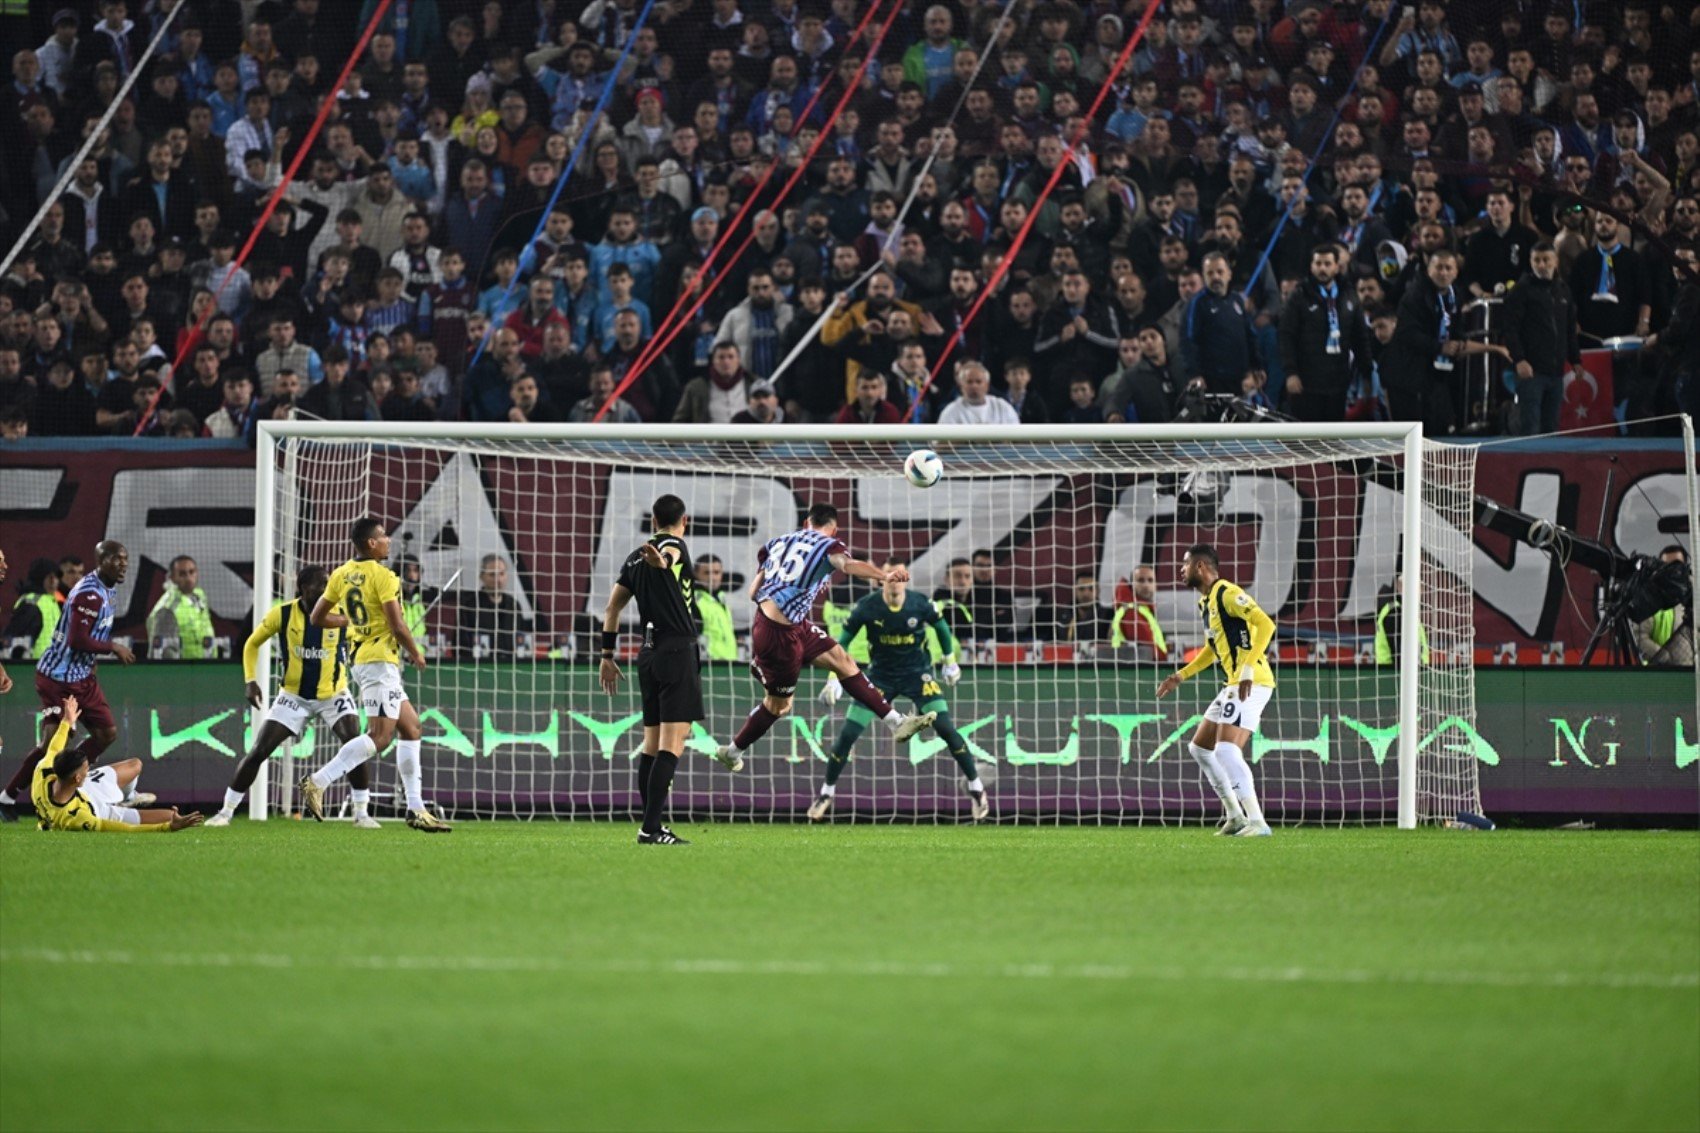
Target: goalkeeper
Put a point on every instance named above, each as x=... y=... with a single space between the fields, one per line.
x=900 y=664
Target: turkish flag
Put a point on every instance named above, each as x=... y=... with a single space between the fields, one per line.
x=1589 y=401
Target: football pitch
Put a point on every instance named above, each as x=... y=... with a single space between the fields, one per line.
x=289 y=976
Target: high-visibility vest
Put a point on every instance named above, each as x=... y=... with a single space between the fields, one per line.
x=835 y=617
x=1664 y=624
x=717 y=630
x=48 y=605
x=193 y=618
x=1117 y=637
x=413 y=616
x=1384 y=644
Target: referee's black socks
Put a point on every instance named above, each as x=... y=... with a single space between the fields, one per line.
x=646 y=764
x=660 y=781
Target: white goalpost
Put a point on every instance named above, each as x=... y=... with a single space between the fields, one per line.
x=1057 y=701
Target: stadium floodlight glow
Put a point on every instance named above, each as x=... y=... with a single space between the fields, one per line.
x=1314 y=520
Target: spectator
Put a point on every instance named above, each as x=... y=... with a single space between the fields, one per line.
x=487 y=383
x=1030 y=408
x=1324 y=340
x=955 y=600
x=763 y=407
x=1083 y=621
x=283 y=352
x=180 y=626
x=1540 y=337
x=339 y=397
x=471 y=217
x=1419 y=369
x=64 y=404
x=976 y=404
x=1135 y=621
x=279 y=404
x=993 y=604
x=234 y=420
x=35 y=614
x=620 y=411
x=720 y=395
x=654 y=393
x=720 y=641
x=1144 y=390
x=492 y=627
x=527 y=406
x=1078 y=334
x=623 y=244
x=870 y=406
x=538 y=313
x=1082 y=403
x=1498 y=252
x=757 y=325
x=620 y=298
x=1219 y=346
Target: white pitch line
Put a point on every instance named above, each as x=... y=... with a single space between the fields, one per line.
x=894 y=969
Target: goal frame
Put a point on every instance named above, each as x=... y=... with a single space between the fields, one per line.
x=271 y=433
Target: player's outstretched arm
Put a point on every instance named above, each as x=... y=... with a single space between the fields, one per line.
x=1206 y=658
x=856 y=568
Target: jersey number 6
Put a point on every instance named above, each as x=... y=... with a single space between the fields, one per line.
x=355 y=604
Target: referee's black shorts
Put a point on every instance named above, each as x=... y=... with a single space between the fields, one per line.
x=670 y=681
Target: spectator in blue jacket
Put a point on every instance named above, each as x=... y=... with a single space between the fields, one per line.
x=1219 y=345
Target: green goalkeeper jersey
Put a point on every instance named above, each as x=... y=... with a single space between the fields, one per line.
x=897 y=637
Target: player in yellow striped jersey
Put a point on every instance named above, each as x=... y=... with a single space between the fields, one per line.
x=68 y=795
x=314 y=687
x=1237 y=636
x=363 y=597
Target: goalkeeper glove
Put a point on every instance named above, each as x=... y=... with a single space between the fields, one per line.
x=831 y=691
x=952 y=672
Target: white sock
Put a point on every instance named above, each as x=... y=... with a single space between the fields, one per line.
x=130 y=791
x=893 y=718
x=360 y=799
x=1218 y=779
x=412 y=776
x=1239 y=774
x=976 y=787
x=232 y=800
x=829 y=789
x=355 y=752
x=6 y=798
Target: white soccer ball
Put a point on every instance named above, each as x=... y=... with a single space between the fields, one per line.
x=923 y=468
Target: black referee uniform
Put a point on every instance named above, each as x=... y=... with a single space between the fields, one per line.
x=668 y=665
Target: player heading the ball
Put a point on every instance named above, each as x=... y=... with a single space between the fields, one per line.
x=791 y=571
x=368 y=594
x=1237 y=634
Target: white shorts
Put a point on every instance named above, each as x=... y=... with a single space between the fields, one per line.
x=293 y=712
x=381 y=693
x=1228 y=709
x=104 y=795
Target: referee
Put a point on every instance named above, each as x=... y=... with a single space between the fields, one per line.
x=659 y=575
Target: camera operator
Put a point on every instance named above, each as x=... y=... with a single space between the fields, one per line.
x=1667 y=638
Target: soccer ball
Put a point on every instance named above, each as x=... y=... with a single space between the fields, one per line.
x=923 y=468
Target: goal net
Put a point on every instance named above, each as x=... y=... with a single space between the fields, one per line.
x=1065 y=590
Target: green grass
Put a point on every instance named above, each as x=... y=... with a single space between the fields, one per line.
x=283 y=976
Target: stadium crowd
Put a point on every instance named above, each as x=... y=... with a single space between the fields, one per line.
x=1500 y=185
